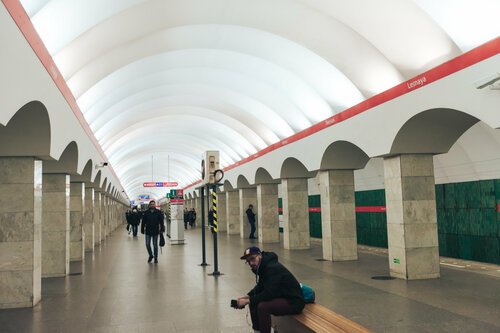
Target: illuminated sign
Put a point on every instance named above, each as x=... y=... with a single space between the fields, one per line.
x=165 y=184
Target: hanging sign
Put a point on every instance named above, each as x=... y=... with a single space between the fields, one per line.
x=161 y=184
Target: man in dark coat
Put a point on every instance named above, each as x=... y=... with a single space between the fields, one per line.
x=152 y=225
x=277 y=291
x=186 y=218
x=251 y=220
x=134 y=221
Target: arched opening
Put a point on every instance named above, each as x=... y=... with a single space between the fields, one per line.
x=343 y=155
x=431 y=132
x=27 y=132
x=293 y=168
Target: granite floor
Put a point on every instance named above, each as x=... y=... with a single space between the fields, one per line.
x=116 y=290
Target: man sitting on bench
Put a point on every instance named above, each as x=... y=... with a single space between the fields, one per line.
x=277 y=291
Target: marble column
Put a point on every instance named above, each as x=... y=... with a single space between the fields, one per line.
x=295 y=213
x=221 y=212
x=97 y=218
x=233 y=212
x=20 y=232
x=55 y=225
x=248 y=196
x=106 y=215
x=88 y=219
x=338 y=215
x=198 y=211
x=411 y=216
x=268 y=215
x=103 y=217
x=77 y=212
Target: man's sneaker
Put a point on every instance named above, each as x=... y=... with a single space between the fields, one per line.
x=156 y=261
x=150 y=258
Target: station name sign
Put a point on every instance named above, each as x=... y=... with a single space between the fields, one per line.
x=167 y=184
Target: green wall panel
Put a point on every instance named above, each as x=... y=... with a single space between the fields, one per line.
x=467 y=216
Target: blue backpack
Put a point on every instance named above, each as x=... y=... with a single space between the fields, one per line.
x=308 y=293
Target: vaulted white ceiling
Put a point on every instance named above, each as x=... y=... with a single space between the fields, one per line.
x=161 y=81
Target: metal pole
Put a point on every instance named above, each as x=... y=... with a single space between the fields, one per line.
x=202 y=195
x=216 y=262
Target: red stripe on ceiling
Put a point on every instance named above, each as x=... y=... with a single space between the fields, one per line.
x=17 y=12
x=470 y=58
x=371 y=209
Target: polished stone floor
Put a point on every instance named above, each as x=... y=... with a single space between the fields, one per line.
x=118 y=291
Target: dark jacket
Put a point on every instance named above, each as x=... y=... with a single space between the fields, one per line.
x=250 y=215
x=134 y=218
x=192 y=215
x=275 y=281
x=152 y=221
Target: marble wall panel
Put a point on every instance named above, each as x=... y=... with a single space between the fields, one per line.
x=268 y=215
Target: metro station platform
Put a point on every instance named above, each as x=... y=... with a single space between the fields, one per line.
x=118 y=291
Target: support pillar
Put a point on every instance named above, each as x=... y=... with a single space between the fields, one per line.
x=97 y=218
x=233 y=212
x=106 y=216
x=221 y=212
x=20 y=232
x=77 y=211
x=268 y=215
x=338 y=215
x=197 y=208
x=103 y=217
x=295 y=213
x=55 y=225
x=411 y=216
x=88 y=219
x=248 y=196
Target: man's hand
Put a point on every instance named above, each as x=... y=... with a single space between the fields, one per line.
x=243 y=301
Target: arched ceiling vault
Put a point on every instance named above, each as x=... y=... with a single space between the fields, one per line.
x=174 y=78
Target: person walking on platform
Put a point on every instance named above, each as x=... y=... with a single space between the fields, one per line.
x=127 y=218
x=192 y=218
x=134 y=221
x=277 y=291
x=152 y=225
x=186 y=218
x=251 y=220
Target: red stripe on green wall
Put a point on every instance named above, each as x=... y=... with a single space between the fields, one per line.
x=371 y=209
x=314 y=209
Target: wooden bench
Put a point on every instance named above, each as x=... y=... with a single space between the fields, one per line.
x=315 y=318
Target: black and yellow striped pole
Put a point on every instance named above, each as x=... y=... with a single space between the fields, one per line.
x=214 y=205
x=214 y=216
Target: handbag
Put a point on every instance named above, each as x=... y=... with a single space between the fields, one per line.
x=162 y=240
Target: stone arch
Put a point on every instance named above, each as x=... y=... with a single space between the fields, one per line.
x=67 y=162
x=343 y=155
x=97 y=178
x=262 y=176
x=104 y=184
x=228 y=186
x=27 y=133
x=432 y=131
x=242 y=182
x=293 y=168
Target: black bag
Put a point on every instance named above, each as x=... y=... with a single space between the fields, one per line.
x=162 y=240
x=128 y=226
